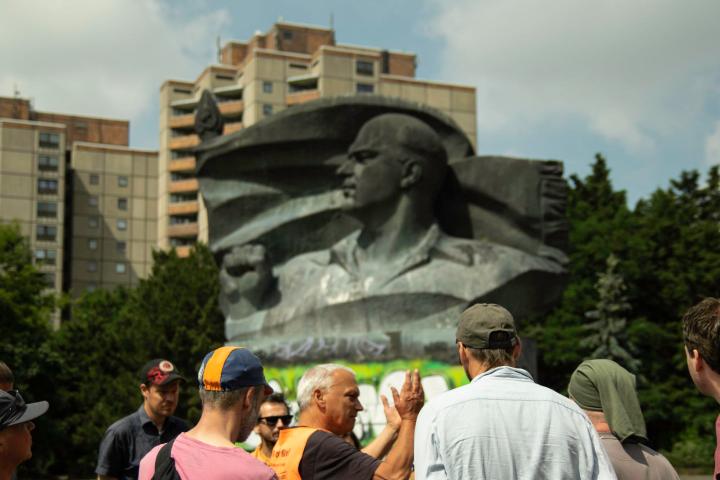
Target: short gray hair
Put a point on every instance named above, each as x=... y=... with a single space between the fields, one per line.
x=318 y=377
x=223 y=400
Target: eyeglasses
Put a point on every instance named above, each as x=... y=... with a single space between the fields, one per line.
x=272 y=420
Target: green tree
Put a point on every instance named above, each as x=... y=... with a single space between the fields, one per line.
x=608 y=328
x=25 y=314
x=599 y=220
x=172 y=314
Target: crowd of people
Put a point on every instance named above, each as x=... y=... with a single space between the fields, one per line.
x=501 y=425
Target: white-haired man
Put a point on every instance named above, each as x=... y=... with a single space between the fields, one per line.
x=328 y=397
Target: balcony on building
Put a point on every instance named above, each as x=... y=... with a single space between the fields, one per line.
x=184 y=142
x=228 y=94
x=183 y=230
x=183 y=208
x=184 y=106
x=183 y=165
x=302 y=88
x=232 y=127
x=184 y=186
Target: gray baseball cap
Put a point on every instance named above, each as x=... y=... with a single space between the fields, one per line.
x=14 y=410
x=486 y=326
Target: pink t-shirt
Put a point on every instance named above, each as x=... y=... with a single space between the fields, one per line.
x=197 y=460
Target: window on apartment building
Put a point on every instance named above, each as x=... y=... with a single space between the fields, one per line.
x=120 y=267
x=122 y=181
x=45 y=256
x=91 y=266
x=365 y=88
x=49 y=140
x=224 y=77
x=267 y=86
x=287 y=34
x=91 y=287
x=92 y=243
x=121 y=224
x=47 y=209
x=93 y=222
x=94 y=179
x=363 y=67
x=122 y=203
x=47 y=186
x=80 y=128
x=267 y=109
x=46 y=232
x=93 y=201
x=299 y=66
x=121 y=247
x=48 y=163
x=49 y=280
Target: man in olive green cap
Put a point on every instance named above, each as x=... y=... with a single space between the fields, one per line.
x=606 y=391
x=503 y=424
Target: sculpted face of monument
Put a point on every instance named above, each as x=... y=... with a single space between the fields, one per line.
x=393 y=287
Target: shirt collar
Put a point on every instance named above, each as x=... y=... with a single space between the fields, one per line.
x=144 y=418
x=343 y=253
x=505 y=372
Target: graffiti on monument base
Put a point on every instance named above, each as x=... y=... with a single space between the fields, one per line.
x=330 y=347
x=374 y=379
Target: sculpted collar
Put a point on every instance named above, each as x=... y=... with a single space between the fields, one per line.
x=433 y=244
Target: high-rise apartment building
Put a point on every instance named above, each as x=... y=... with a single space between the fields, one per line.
x=87 y=202
x=114 y=215
x=287 y=65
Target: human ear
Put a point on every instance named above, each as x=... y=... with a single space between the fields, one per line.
x=319 y=397
x=145 y=390
x=517 y=350
x=411 y=173
x=698 y=364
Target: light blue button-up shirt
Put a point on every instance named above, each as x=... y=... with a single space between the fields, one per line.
x=504 y=426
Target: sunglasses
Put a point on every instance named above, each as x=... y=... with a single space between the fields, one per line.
x=272 y=420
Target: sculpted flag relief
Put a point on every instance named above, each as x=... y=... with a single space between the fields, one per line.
x=360 y=227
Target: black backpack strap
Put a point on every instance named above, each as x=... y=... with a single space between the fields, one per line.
x=165 y=464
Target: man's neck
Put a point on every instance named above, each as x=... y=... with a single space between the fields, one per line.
x=385 y=237
x=216 y=427
x=157 y=420
x=266 y=448
x=312 y=418
x=599 y=421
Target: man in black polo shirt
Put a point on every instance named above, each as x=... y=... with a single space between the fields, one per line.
x=128 y=440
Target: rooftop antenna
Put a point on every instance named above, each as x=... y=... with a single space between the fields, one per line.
x=16 y=103
x=332 y=21
x=219 y=51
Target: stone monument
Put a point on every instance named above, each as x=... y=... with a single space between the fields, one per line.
x=360 y=228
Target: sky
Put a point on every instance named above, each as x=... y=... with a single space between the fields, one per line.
x=636 y=81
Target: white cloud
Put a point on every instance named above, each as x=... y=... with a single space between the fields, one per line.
x=102 y=58
x=630 y=71
x=712 y=146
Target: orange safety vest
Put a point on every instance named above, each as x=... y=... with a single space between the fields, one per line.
x=288 y=451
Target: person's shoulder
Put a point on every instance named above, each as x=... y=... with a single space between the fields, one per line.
x=126 y=424
x=147 y=463
x=657 y=461
x=474 y=252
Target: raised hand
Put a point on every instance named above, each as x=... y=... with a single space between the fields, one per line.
x=411 y=398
